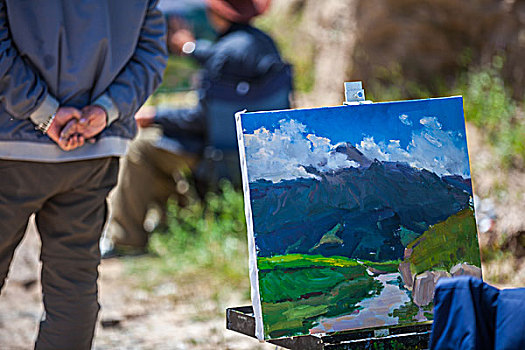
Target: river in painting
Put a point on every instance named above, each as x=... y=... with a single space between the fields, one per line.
x=371 y=312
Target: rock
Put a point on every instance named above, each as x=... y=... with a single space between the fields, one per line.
x=377 y=272
x=423 y=292
x=439 y=274
x=424 y=285
x=420 y=316
x=110 y=322
x=465 y=269
x=406 y=274
x=399 y=42
x=408 y=253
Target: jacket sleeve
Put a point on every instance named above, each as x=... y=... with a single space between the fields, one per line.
x=204 y=49
x=23 y=92
x=142 y=74
x=182 y=121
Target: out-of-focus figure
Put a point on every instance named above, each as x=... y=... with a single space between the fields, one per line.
x=242 y=69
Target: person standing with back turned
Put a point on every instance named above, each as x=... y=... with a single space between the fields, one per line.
x=90 y=65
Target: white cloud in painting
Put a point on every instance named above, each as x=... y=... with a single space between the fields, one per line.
x=372 y=150
x=431 y=148
x=404 y=119
x=430 y=122
x=283 y=153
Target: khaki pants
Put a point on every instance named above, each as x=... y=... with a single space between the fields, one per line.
x=148 y=177
x=69 y=200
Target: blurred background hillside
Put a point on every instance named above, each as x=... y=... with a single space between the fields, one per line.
x=407 y=49
x=416 y=47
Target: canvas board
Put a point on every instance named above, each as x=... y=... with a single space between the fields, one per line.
x=354 y=213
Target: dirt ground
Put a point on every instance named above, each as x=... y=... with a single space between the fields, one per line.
x=132 y=318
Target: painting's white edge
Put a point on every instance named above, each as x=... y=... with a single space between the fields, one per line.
x=254 y=272
x=465 y=139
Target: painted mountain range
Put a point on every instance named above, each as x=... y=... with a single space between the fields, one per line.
x=354 y=213
x=364 y=212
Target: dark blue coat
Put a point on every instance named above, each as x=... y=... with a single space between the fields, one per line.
x=75 y=53
x=242 y=66
x=470 y=314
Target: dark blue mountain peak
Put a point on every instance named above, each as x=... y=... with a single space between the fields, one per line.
x=371 y=205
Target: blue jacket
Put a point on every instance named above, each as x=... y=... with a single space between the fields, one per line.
x=241 y=58
x=76 y=53
x=470 y=314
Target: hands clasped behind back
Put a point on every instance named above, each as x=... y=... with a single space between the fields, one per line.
x=71 y=127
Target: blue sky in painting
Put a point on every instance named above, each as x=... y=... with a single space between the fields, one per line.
x=426 y=134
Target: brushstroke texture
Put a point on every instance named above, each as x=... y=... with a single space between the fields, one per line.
x=370 y=206
x=357 y=212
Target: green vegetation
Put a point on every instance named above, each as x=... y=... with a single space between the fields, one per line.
x=390 y=85
x=291 y=261
x=179 y=73
x=294 y=317
x=284 y=284
x=204 y=246
x=329 y=237
x=407 y=235
x=438 y=248
x=291 y=43
x=344 y=297
x=206 y=234
x=178 y=76
x=487 y=101
x=489 y=106
x=178 y=88
x=297 y=289
x=407 y=312
x=384 y=266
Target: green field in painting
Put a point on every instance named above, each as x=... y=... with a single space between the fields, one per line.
x=297 y=289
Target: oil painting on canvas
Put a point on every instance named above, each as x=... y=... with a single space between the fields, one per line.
x=355 y=212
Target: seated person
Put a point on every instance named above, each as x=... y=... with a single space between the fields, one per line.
x=242 y=67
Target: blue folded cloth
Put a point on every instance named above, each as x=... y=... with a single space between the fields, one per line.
x=470 y=314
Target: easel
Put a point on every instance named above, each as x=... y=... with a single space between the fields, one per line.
x=241 y=320
x=416 y=336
